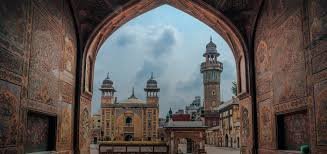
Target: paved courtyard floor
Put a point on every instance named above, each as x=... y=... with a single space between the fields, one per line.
x=94 y=149
x=209 y=150
x=221 y=150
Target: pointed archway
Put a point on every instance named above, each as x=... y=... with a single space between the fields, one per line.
x=198 y=9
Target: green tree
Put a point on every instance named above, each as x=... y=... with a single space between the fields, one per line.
x=234 y=88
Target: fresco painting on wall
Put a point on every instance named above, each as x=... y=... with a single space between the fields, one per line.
x=320 y=91
x=245 y=121
x=66 y=124
x=265 y=126
x=9 y=102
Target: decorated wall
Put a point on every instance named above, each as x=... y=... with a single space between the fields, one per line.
x=37 y=75
x=290 y=70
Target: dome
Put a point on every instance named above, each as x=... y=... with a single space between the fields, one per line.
x=107 y=83
x=151 y=83
x=211 y=44
x=211 y=47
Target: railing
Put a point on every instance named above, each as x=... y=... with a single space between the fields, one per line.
x=217 y=65
x=130 y=147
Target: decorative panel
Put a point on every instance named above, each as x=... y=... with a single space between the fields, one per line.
x=9 y=113
x=289 y=75
x=54 y=9
x=318 y=26
x=11 y=61
x=265 y=124
x=84 y=125
x=320 y=96
x=66 y=124
x=263 y=71
x=12 y=34
x=12 y=25
x=246 y=125
x=44 y=61
x=280 y=10
x=319 y=62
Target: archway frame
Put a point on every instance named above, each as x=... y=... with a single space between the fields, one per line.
x=198 y=9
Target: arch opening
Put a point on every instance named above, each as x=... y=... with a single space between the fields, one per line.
x=232 y=38
x=214 y=19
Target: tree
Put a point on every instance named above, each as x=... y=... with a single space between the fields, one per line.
x=234 y=88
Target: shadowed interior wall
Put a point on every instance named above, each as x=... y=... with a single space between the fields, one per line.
x=290 y=69
x=37 y=72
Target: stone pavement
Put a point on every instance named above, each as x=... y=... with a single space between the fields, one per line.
x=94 y=149
x=209 y=149
x=220 y=150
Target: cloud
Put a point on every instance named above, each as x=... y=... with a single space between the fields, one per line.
x=229 y=71
x=165 y=42
x=192 y=84
x=125 y=39
x=160 y=50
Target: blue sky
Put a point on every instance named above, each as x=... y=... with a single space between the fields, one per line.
x=169 y=43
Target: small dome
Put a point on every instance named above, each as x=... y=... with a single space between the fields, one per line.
x=211 y=47
x=107 y=82
x=151 y=83
x=211 y=44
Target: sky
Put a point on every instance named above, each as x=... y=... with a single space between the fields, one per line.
x=169 y=43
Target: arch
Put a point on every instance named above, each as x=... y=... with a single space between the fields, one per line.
x=198 y=9
x=226 y=140
x=128 y=121
x=238 y=142
x=189 y=145
x=128 y=137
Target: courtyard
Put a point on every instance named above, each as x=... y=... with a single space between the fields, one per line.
x=209 y=149
x=221 y=150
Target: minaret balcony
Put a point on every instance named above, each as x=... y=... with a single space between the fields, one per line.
x=214 y=65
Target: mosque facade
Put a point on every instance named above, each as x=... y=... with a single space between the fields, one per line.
x=132 y=119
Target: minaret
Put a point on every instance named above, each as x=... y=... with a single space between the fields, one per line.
x=152 y=91
x=108 y=91
x=211 y=70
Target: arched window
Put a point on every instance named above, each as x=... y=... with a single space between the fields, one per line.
x=128 y=121
x=226 y=140
x=128 y=138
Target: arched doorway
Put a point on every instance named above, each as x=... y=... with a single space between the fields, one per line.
x=226 y=140
x=238 y=142
x=189 y=145
x=128 y=137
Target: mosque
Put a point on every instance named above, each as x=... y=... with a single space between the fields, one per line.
x=132 y=119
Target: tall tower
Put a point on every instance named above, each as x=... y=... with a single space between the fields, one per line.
x=107 y=89
x=211 y=70
x=152 y=91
